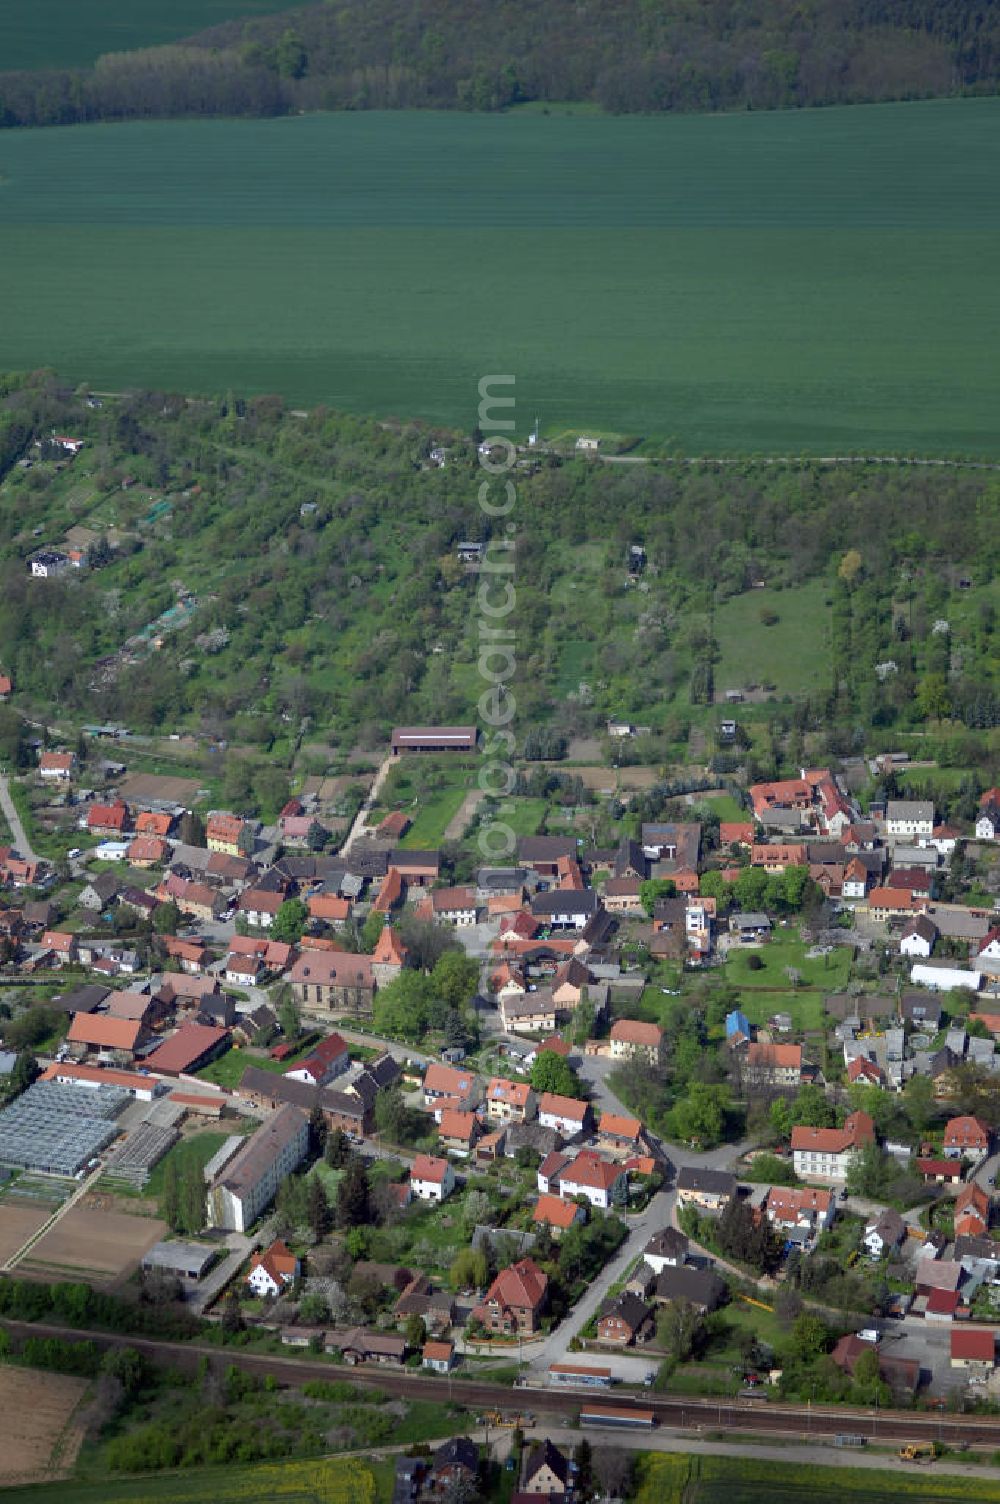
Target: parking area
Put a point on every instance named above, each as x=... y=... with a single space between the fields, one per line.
x=930 y=1346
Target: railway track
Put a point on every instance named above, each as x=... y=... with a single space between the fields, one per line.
x=673 y=1412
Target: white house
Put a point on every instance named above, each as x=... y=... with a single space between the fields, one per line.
x=988 y=823
x=566 y=908
x=885 y=1233
x=272 y=1270
x=909 y=817
x=825 y=1153
x=431 y=1179
x=597 y=1180
x=666 y=1249
x=802 y=1208
x=56 y=767
x=855 y=880
x=438 y=1356
x=990 y=945
x=564 y=1114
x=918 y=937
x=455 y=906
x=243 y=971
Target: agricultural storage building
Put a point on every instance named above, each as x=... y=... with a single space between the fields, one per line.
x=186 y=1260
x=434 y=739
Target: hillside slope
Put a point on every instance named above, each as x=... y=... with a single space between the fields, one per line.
x=625 y=57
x=266 y=567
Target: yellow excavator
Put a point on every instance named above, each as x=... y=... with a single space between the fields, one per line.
x=917 y=1452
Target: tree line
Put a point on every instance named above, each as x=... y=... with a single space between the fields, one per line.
x=450 y=54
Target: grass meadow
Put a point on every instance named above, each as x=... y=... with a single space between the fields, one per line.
x=71 y=33
x=782 y=654
x=817 y=282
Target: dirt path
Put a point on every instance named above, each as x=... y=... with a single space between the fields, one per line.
x=17 y=830
x=455 y=828
x=357 y=830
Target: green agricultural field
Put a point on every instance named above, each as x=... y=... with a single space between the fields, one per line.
x=329 y=1480
x=818 y=282
x=71 y=33
x=669 y=1478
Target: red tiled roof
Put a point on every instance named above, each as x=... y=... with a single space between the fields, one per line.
x=501 y=1089
x=555 y=1212
x=328 y=906
x=186 y=1048
x=102 y=1032
x=429 y=1167
x=148 y=823
x=633 y=1031
x=458 y=1125
x=521 y=1287
x=943 y=1302
x=965 y=1132
x=613 y=1125
x=776 y=1056
x=974 y=1344
x=858 y=1129
x=107 y=816
x=390 y=893
x=148 y=849
x=563 y=1107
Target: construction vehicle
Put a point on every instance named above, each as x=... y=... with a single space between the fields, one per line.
x=917 y=1452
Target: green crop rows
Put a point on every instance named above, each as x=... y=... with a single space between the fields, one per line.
x=813 y=282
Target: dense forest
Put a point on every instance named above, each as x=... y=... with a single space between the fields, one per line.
x=632 y=55
x=251 y=568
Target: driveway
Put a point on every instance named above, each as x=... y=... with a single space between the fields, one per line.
x=555 y=1347
x=13 y=819
x=357 y=829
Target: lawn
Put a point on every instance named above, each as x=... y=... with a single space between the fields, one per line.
x=809 y=282
x=228 y=1070
x=792 y=654
x=805 y=1008
x=941 y=780
x=829 y=973
x=187 y=1153
x=70 y=34
x=726 y=807
x=434 y=814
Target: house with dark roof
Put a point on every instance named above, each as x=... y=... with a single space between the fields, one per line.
x=456 y=1461
x=545 y=1471
x=624 y=1320
x=710 y=1190
x=701 y=1288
